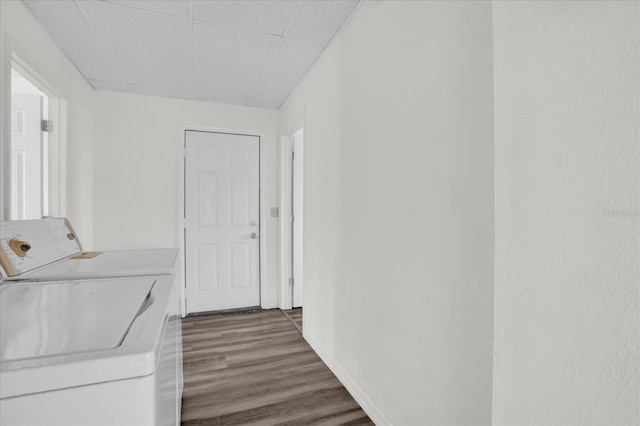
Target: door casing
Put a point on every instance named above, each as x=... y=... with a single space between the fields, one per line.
x=297 y=225
x=286 y=246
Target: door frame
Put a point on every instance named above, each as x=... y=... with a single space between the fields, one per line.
x=182 y=205
x=11 y=57
x=297 y=225
x=286 y=205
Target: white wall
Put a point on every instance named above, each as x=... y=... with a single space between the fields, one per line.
x=138 y=172
x=567 y=109
x=31 y=44
x=398 y=123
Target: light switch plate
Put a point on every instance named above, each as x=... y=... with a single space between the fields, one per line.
x=274 y=212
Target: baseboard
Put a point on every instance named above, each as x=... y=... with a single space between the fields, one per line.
x=356 y=392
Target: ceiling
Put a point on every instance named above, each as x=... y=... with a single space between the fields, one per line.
x=241 y=52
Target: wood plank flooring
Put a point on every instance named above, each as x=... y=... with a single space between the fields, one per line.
x=295 y=317
x=256 y=369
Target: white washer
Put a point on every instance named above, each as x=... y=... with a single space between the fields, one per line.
x=53 y=252
x=90 y=340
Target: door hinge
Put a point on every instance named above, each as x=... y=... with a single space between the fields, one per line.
x=46 y=125
x=291 y=282
x=291 y=155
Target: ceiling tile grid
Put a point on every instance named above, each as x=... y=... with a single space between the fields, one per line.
x=230 y=61
x=291 y=63
x=267 y=17
x=171 y=8
x=246 y=52
x=318 y=21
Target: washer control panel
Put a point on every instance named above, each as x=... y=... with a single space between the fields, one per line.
x=26 y=245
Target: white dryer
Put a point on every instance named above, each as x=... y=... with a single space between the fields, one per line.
x=87 y=338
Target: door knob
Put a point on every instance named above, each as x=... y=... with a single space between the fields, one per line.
x=254 y=235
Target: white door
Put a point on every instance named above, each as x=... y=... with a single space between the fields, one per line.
x=26 y=157
x=298 y=218
x=222 y=236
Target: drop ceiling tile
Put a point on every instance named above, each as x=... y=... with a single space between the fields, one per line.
x=68 y=29
x=216 y=96
x=114 y=86
x=146 y=49
x=176 y=8
x=271 y=17
x=175 y=91
x=291 y=64
x=271 y=102
x=231 y=63
x=318 y=21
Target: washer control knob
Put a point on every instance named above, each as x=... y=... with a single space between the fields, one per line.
x=20 y=247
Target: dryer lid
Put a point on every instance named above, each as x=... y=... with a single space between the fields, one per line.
x=26 y=245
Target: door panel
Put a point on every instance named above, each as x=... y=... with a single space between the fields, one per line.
x=222 y=221
x=18 y=189
x=240 y=199
x=207 y=195
x=26 y=157
x=207 y=267
x=240 y=265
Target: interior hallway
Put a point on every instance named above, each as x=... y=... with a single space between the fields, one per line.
x=255 y=368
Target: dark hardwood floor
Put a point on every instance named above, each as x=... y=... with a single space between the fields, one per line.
x=256 y=369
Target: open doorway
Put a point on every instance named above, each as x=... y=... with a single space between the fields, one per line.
x=292 y=227
x=33 y=179
x=29 y=149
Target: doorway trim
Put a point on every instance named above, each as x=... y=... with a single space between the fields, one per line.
x=286 y=205
x=181 y=237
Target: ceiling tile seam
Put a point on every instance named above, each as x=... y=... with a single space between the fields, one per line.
x=104 y=51
x=191 y=62
x=266 y=72
x=191 y=19
x=152 y=12
x=292 y=20
x=244 y=30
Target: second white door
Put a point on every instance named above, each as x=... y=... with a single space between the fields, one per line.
x=26 y=157
x=222 y=235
